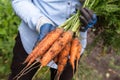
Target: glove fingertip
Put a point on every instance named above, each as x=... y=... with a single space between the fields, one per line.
x=81 y=10
x=40 y=37
x=52 y=28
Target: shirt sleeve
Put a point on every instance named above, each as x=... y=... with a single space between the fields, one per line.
x=83 y=41
x=27 y=11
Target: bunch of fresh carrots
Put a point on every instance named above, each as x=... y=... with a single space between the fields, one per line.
x=61 y=45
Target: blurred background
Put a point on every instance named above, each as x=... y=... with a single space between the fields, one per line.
x=101 y=60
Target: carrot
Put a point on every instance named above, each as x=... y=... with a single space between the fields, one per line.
x=56 y=59
x=61 y=67
x=62 y=60
x=79 y=50
x=65 y=51
x=78 y=55
x=55 y=49
x=74 y=51
x=44 y=45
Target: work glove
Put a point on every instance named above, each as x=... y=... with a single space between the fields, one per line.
x=87 y=18
x=44 y=27
x=44 y=30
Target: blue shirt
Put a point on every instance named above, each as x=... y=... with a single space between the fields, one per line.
x=31 y=10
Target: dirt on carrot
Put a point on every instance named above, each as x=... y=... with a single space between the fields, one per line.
x=55 y=49
x=62 y=60
x=75 y=48
x=44 y=45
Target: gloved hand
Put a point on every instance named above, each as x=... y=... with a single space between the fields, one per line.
x=45 y=29
x=87 y=18
x=44 y=26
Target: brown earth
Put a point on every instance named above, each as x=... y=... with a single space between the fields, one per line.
x=104 y=60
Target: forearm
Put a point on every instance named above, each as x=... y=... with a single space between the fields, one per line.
x=27 y=11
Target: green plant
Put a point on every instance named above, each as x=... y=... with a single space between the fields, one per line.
x=8 y=29
x=108 y=12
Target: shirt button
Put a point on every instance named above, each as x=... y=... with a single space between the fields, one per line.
x=68 y=3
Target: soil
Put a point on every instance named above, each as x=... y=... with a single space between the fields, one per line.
x=105 y=61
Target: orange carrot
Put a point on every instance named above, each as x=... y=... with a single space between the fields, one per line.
x=78 y=55
x=79 y=51
x=44 y=45
x=55 y=49
x=61 y=67
x=56 y=59
x=74 y=51
x=62 y=60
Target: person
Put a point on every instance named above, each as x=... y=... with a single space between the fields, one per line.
x=38 y=17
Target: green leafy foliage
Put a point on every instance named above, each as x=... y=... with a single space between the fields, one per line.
x=108 y=12
x=8 y=29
